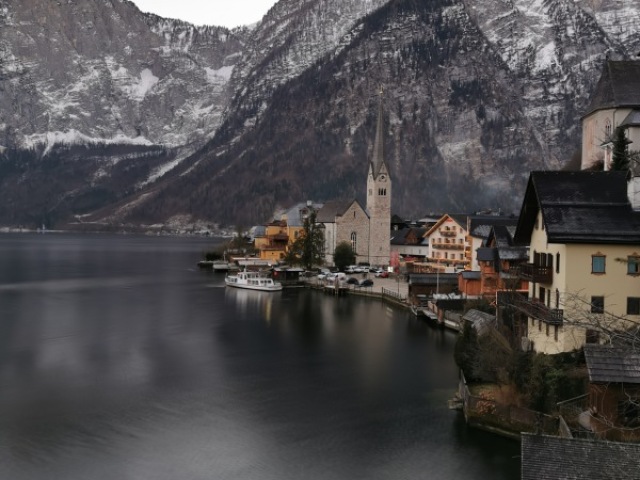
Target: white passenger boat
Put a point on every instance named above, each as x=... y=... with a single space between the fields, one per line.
x=252 y=281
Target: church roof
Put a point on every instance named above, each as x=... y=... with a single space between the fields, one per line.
x=633 y=119
x=618 y=86
x=334 y=208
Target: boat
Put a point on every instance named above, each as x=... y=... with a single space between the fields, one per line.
x=252 y=281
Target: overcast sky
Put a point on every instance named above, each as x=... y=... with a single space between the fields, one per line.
x=227 y=13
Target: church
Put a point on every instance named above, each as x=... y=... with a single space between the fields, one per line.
x=367 y=229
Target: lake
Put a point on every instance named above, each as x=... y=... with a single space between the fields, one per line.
x=119 y=359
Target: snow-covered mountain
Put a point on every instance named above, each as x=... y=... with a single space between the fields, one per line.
x=131 y=118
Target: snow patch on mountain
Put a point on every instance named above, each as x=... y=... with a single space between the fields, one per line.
x=74 y=137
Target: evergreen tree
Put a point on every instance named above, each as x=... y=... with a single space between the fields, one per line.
x=620 y=150
x=308 y=249
x=343 y=255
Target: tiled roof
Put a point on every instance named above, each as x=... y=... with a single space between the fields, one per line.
x=617 y=87
x=555 y=458
x=486 y=254
x=607 y=363
x=579 y=207
x=331 y=209
x=513 y=253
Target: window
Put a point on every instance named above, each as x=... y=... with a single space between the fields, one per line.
x=354 y=242
x=557 y=298
x=633 y=265
x=557 y=262
x=546 y=329
x=607 y=129
x=382 y=191
x=541 y=295
x=555 y=332
x=598 y=263
x=633 y=306
x=597 y=304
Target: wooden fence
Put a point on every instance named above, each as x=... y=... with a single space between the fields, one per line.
x=485 y=412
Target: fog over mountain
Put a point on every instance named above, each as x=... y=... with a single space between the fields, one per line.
x=112 y=117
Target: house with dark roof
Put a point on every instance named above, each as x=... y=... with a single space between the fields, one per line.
x=407 y=243
x=615 y=103
x=584 y=258
x=614 y=391
x=498 y=261
x=454 y=239
x=546 y=457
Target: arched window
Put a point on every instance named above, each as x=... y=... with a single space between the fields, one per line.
x=607 y=129
x=354 y=242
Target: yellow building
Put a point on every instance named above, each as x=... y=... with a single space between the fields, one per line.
x=584 y=258
x=274 y=240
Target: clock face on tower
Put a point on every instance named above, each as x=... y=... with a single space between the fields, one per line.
x=382 y=177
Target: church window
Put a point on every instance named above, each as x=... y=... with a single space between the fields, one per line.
x=382 y=191
x=607 y=129
x=354 y=242
x=354 y=214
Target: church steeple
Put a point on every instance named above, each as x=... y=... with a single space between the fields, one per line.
x=377 y=160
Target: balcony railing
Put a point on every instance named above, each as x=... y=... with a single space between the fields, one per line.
x=536 y=273
x=447 y=233
x=534 y=308
x=450 y=246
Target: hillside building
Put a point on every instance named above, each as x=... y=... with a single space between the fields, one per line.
x=615 y=103
x=584 y=258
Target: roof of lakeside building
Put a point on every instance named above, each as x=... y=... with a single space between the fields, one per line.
x=633 y=119
x=608 y=363
x=399 y=237
x=546 y=457
x=579 y=207
x=617 y=87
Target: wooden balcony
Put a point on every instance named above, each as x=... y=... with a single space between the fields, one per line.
x=447 y=233
x=534 y=308
x=449 y=246
x=535 y=273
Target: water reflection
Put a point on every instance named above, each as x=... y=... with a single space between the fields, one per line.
x=119 y=360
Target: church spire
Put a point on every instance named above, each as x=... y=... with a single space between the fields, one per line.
x=378 y=151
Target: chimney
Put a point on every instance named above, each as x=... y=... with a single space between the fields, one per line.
x=633 y=192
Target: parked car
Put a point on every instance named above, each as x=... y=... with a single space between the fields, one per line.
x=323 y=273
x=366 y=283
x=382 y=274
x=353 y=281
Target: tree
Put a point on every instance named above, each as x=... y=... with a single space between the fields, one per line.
x=308 y=249
x=620 y=150
x=343 y=255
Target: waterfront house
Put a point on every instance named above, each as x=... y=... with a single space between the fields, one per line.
x=584 y=258
x=498 y=262
x=614 y=391
x=406 y=243
x=615 y=103
x=546 y=457
x=455 y=238
x=274 y=239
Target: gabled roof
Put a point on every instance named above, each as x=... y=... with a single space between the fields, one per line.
x=333 y=209
x=481 y=321
x=555 y=458
x=579 y=207
x=618 y=86
x=399 y=237
x=460 y=219
x=481 y=225
x=633 y=119
x=608 y=363
x=296 y=214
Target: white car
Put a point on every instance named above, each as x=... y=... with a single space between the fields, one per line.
x=323 y=274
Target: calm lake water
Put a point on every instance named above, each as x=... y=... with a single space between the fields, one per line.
x=121 y=360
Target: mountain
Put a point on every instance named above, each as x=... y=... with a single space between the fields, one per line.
x=116 y=117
